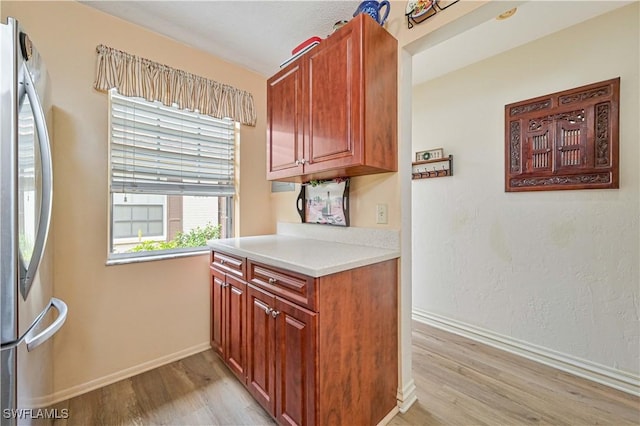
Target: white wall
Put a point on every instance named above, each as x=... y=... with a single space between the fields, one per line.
x=555 y=269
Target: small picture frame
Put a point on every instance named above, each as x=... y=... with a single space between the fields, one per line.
x=324 y=203
x=430 y=154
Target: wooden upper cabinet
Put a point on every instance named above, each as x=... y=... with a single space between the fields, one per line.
x=284 y=117
x=333 y=112
x=333 y=109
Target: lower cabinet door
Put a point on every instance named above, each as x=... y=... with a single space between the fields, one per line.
x=217 y=314
x=235 y=341
x=261 y=347
x=296 y=354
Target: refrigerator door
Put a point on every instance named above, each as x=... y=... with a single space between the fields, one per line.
x=35 y=179
x=28 y=307
x=8 y=214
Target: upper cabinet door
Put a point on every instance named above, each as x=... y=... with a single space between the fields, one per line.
x=333 y=107
x=284 y=123
x=333 y=111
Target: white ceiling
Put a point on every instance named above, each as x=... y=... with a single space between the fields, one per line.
x=260 y=35
x=532 y=20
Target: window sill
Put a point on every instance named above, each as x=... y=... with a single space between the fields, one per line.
x=124 y=259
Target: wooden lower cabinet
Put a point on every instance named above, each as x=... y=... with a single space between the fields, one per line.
x=235 y=341
x=217 y=309
x=296 y=357
x=228 y=328
x=261 y=331
x=332 y=361
x=282 y=357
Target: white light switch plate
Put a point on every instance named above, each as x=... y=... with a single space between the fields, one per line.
x=382 y=212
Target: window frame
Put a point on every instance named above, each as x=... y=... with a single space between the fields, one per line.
x=226 y=217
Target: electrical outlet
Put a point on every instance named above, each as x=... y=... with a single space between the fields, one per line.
x=382 y=214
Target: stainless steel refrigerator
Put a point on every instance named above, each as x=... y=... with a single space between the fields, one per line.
x=30 y=315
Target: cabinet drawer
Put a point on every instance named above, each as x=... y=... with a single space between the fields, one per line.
x=227 y=263
x=296 y=288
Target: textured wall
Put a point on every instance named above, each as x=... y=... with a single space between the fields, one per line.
x=555 y=269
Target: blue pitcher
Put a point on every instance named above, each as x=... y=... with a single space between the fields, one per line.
x=372 y=8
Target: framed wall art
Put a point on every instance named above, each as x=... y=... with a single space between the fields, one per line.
x=324 y=202
x=430 y=154
x=564 y=140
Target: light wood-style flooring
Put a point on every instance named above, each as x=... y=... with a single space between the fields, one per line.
x=459 y=382
x=463 y=382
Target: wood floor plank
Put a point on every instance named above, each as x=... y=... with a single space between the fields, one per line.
x=459 y=382
x=505 y=381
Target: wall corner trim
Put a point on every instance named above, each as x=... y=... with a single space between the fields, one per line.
x=617 y=379
x=407 y=396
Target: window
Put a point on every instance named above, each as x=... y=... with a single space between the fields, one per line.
x=566 y=140
x=172 y=178
x=129 y=220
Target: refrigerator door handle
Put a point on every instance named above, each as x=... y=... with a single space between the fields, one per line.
x=33 y=341
x=47 y=182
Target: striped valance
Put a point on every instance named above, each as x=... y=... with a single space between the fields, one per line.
x=135 y=76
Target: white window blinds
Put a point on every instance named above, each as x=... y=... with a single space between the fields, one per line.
x=164 y=150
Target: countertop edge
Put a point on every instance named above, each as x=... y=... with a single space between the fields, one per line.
x=302 y=269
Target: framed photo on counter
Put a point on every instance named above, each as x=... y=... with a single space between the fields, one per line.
x=325 y=203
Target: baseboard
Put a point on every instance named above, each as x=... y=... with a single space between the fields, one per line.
x=406 y=396
x=73 y=391
x=388 y=417
x=598 y=373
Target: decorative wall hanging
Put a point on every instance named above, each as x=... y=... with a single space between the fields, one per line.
x=324 y=202
x=565 y=140
x=430 y=154
x=418 y=11
x=433 y=165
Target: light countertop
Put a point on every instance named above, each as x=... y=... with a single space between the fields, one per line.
x=312 y=257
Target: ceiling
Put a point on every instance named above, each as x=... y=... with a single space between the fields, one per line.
x=259 y=35
x=532 y=20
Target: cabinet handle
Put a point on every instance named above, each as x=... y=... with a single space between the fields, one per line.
x=297 y=162
x=267 y=310
x=272 y=281
x=274 y=313
x=303 y=161
x=222 y=261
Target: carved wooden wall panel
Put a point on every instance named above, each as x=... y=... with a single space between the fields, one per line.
x=565 y=140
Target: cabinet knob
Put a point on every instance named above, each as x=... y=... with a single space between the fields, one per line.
x=297 y=162
x=303 y=161
x=274 y=313
x=268 y=310
x=222 y=261
x=272 y=281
